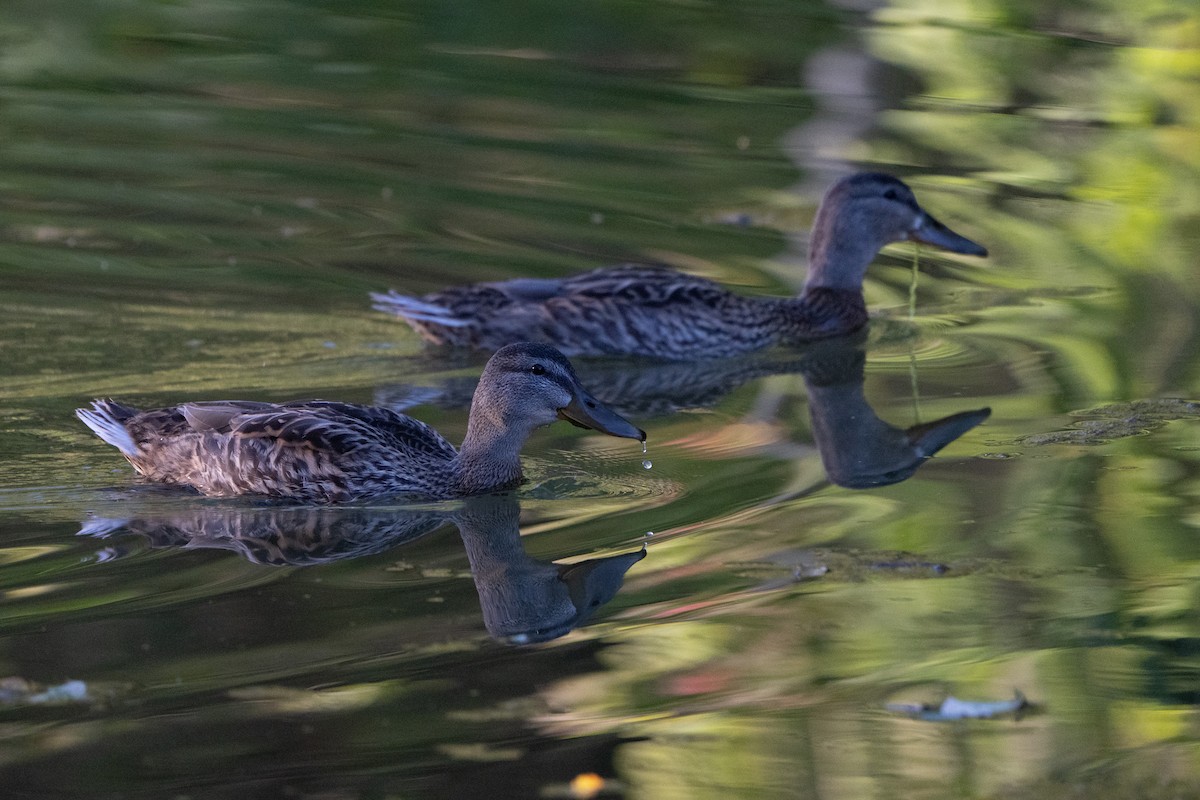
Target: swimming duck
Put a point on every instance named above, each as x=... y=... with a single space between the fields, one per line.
x=320 y=451
x=659 y=313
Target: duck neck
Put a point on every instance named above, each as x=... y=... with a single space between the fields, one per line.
x=832 y=303
x=822 y=311
x=838 y=254
x=490 y=456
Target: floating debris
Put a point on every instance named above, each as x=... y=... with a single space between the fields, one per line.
x=18 y=691
x=954 y=709
x=1118 y=421
x=800 y=565
x=911 y=565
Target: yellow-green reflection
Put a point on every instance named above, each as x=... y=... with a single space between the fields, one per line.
x=196 y=205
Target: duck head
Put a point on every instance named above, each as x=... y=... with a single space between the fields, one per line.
x=528 y=385
x=862 y=213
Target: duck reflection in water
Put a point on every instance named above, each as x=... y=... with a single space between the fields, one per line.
x=629 y=386
x=858 y=449
x=524 y=600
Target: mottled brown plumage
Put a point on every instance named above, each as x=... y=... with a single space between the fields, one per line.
x=320 y=451
x=656 y=312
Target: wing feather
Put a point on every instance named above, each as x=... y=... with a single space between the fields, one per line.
x=342 y=429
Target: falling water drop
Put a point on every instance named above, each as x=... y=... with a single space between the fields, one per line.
x=643 y=447
x=647 y=463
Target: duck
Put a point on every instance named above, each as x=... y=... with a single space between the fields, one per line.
x=325 y=452
x=658 y=313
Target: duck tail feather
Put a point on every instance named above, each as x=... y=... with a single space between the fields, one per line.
x=107 y=420
x=410 y=308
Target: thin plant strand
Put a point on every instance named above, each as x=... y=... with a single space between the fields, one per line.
x=912 y=313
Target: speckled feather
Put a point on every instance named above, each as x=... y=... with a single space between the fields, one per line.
x=634 y=309
x=311 y=451
x=320 y=451
x=660 y=313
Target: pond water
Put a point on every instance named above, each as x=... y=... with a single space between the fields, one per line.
x=198 y=198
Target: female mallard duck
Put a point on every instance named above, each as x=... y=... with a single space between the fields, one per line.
x=327 y=452
x=648 y=311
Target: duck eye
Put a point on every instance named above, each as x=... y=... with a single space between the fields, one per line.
x=890 y=194
x=538 y=369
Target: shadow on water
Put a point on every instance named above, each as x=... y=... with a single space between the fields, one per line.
x=524 y=600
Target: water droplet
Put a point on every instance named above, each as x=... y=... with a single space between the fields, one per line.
x=649 y=533
x=643 y=447
x=647 y=464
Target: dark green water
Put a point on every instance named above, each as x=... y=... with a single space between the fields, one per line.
x=195 y=200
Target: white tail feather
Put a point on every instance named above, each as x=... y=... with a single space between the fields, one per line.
x=101 y=526
x=411 y=308
x=104 y=425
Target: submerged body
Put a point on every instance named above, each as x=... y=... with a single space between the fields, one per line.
x=659 y=313
x=320 y=451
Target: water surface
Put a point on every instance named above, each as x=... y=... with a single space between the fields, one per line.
x=197 y=200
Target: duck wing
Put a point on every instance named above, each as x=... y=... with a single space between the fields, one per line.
x=341 y=428
x=657 y=313
x=314 y=450
x=216 y=416
x=629 y=283
x=649 y=286
x=630 y=309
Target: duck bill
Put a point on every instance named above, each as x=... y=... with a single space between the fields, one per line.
x=585 y=411
x=929 y=231
x=930 y=437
